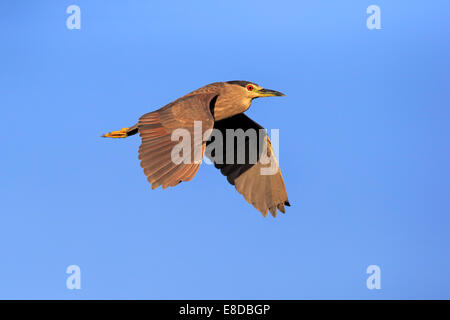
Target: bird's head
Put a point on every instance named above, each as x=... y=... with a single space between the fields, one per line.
x=252 y=90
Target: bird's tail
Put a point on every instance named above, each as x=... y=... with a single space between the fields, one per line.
x=122 y=133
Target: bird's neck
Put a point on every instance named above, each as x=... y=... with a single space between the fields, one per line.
x=225 y=108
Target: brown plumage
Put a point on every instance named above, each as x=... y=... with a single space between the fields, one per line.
x=218 y=106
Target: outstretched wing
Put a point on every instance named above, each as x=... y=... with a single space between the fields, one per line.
x=188 y=114
x=258 y=180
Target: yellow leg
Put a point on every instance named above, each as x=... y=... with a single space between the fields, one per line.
x=122 y=133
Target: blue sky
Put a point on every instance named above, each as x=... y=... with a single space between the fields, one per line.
x=363 y=148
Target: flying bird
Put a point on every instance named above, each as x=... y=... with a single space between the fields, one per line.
x=218 y=106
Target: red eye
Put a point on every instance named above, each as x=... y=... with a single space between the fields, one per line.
x=250 y=87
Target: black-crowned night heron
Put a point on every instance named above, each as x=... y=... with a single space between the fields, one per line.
x=218 y=106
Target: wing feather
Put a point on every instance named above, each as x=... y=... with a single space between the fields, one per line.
x=156 y=128
x=266 y=192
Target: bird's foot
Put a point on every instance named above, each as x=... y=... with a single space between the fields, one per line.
x=122 y=133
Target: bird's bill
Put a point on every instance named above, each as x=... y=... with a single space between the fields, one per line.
x=270 y=93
